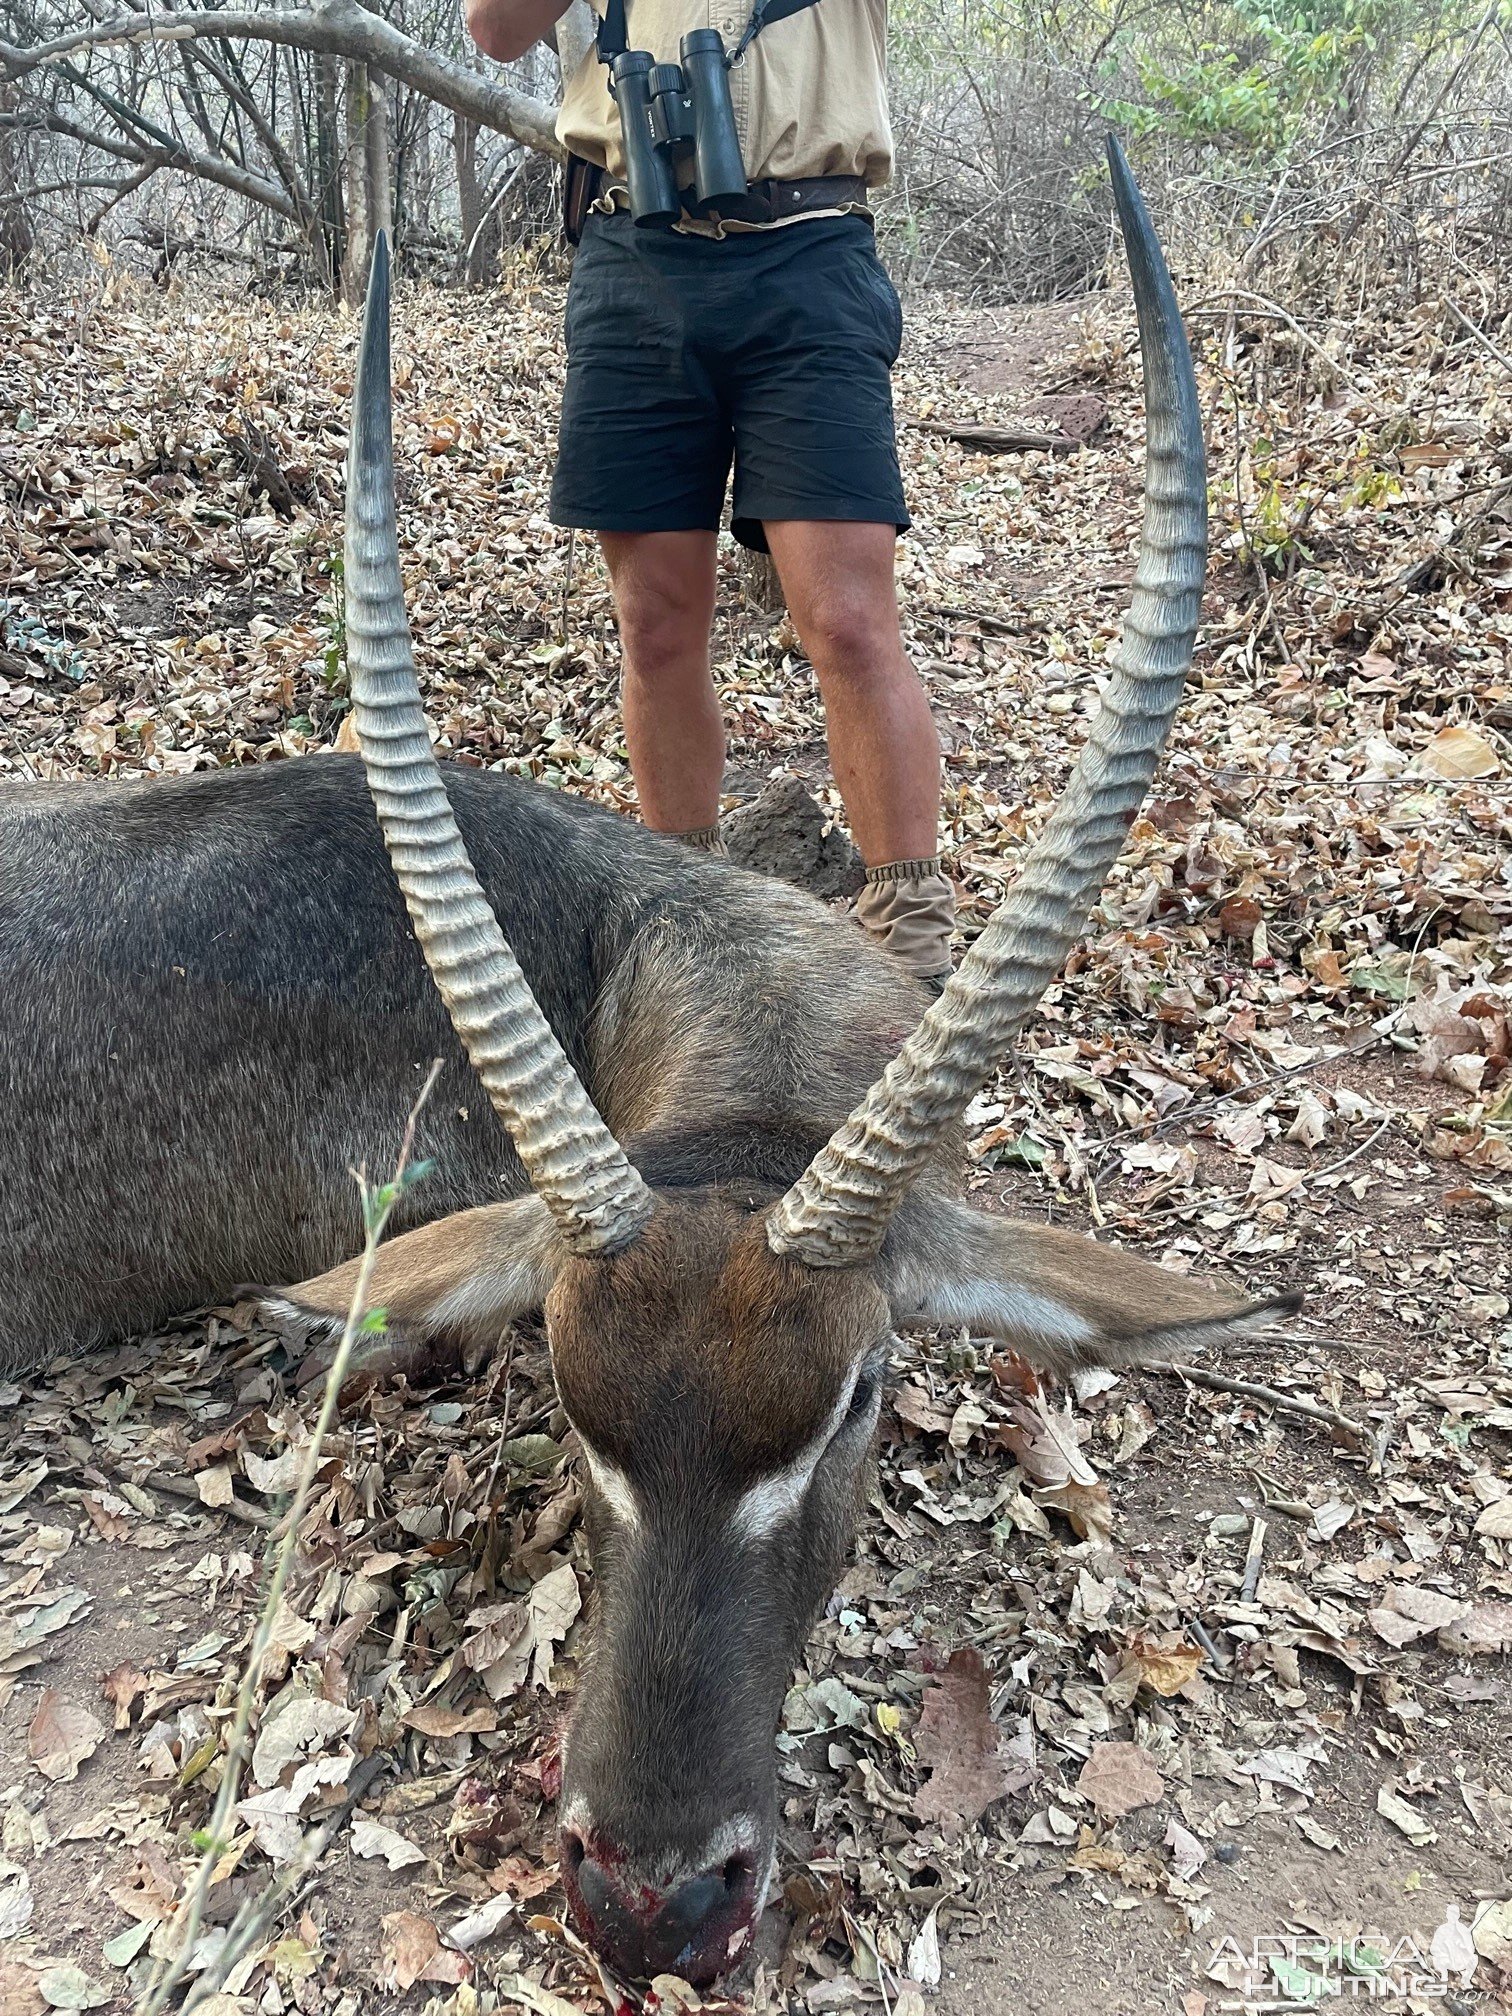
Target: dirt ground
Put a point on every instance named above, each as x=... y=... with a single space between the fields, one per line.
x=1230 y=1683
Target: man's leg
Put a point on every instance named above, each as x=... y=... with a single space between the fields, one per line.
x=664 y=585
x=884 y=749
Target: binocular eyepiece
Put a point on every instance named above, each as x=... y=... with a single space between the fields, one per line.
x=669 y=111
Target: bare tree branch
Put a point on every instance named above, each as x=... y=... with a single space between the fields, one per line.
x=329 y=28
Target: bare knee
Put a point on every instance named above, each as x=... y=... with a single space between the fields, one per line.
x=664 y=600
x=658 y=630
x=851 y=639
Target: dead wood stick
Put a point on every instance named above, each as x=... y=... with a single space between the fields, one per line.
x=1479 y=334
x=1249 y=1389
x=1254 y=1561
x=184 y=1487
x=999 y=440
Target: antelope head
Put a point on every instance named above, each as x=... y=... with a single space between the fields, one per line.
x=720 y=1350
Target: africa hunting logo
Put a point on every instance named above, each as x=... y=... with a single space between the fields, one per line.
x=1298 y=1971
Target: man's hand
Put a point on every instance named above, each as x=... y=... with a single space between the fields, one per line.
x=505 y=29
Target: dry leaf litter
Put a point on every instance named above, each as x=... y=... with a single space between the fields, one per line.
x=1118 y=1672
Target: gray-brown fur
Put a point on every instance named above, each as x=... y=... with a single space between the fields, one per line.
x=212 y=1009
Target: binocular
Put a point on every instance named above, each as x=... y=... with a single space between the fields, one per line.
x=669 y=111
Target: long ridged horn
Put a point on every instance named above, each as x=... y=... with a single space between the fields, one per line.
x=837 y=1213
x=573 y=1161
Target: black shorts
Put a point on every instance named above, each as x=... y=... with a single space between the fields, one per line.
x=773 y=348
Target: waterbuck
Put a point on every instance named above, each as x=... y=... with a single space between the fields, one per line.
x=688 y=1113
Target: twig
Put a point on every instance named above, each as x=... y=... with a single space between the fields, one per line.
x=1354 y=1153
x=1430 y=502
x=184 y=1487
x=1181 y=1115
x=567 y=583
x=377 y=1207
x=1215 y=1652
x=258 y=1913
x=1479 y=334
x=1280 y=314
x=1262 y=579
x=1254 y=1561
x=1250 y=1389
x=987 y=440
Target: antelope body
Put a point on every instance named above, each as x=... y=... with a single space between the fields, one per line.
x=687 y=1112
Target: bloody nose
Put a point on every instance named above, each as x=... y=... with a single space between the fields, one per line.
x=697 y=1929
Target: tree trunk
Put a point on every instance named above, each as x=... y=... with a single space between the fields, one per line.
x=341 y=28
x=574 y=35
x=17 y=234
x=328 y=159
x=360 y=221
x=761 y=587
x=478 y=241
x=380 y=179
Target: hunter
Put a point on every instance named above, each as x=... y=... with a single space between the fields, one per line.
x=728 y=305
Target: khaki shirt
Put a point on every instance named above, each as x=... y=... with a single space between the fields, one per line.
x=810 y=94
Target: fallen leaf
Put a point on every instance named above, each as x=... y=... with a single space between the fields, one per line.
x=19 y=1994
x=520 y=1988
x=121 y=1686
x=1045 y=1442
x=1495 y=1522
x=411 y=1951
x=915 y=1409
x=15 y=1489
x=435 y=1718
x=481 y=1924
x=16 y=1904
x=1167 y=1664
x=61 y=1736
x=372 y=1840
x=1119 y=1778
x=1484 y=1630
x=553 y=1605
x=293 y=1724
x=1088 y=1507
x=1492 y=1933
x=1409 y=1613
x=958 y=1743
x=1458 y=752
x=1188 y=1853
x=924 y=1953
x=71 y=1988
x=124 y=1947
x=214 y=1485
x=273 y=1476
x=1392 y=1807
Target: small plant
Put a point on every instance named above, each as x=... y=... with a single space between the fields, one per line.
x=334 y=667
x=251 y=1922
x=26 y=633
x=1274 y=527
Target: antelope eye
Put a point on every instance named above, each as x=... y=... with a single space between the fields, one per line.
x=864 y=1395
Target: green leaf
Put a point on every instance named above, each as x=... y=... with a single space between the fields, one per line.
x=125 y=1946
x=1390 y=981
x=532 y=1454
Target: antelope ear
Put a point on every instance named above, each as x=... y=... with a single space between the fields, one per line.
x=450 y=1287
x=1062 y=1300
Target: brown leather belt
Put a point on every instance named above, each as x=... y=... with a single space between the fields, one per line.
x=818 y=192
x=769 y=202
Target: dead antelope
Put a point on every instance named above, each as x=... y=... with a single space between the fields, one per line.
x=211 y=1008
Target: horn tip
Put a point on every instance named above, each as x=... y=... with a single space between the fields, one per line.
x=1126 y=197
